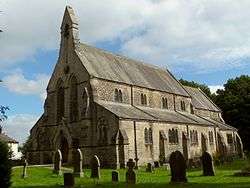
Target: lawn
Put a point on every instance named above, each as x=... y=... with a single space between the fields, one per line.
x=43 y=177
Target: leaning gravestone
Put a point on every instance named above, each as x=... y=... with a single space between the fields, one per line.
x=178 y=167
x=115 y=176
x=95 y=168
x=25 y=164
x=207 y=164
x=130 y=174
x=69 y=181
x=58 y=163
x=77 y=163
x=149 y=167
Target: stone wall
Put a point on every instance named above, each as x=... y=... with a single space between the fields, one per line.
x=105 y=90
x=150 y=152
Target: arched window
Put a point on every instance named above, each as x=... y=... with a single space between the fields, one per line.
x=146 y=136
x=183 y=106
x=116 y=95
x=120 y=95
x=60 y=100
x=103 y=130
x=143 y=99
x=211 y=137
x=191 y=109
x=150 y=136
x=173 y=136
x=73 y=100
x=194 y=137
x=164 y=103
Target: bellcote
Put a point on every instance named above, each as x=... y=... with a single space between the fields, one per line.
x=69 y=28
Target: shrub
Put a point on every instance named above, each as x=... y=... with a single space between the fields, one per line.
x=5 y=166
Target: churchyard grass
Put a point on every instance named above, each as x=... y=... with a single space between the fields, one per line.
x=43 y=177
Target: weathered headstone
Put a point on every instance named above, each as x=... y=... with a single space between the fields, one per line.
x=156 y=164
x=178 y=167
x=69 y=181
x=149 y=167
x=95 y=168
x=58 y=163
x=77 y=163
x=130 y=174
x=25 y=164
x=207 y=164
x=115 y=176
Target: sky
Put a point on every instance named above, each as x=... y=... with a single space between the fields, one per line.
x=200 y=40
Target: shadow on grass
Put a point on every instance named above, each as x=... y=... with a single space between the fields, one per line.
x=153 y=185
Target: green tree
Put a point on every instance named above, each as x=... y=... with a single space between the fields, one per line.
x=5 y=166
x=234 y=101
x=25 y=147
x=203 y=87
x=3 y=110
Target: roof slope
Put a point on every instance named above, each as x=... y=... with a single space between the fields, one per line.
x=220 y=125
x=128 y=111
x=5 y=138
x=200 y=100
x=103 y=64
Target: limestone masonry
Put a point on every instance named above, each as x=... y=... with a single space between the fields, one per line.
x=118 y=108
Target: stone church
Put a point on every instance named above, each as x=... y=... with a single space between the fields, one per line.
x=119 y=108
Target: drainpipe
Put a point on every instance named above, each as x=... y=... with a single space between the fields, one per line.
x=134 y=123
x=136 y=154
x=216 y=139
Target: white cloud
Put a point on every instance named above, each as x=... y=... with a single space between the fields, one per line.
x=214 y=88
x=18 y=126
x=17 y=83
x=204 y=35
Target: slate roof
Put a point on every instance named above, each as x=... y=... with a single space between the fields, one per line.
x=200 y=100
x=220 y=125
x=128 y=111
x=6 y=138
x=105 y=65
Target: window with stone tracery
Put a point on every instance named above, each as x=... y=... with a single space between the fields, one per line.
x=194 y=137
x=60 y=100
x=144 y=99
x=118 y=95
x=164 y=102
x=73 y=99
x=173 y=136
x=211 y=137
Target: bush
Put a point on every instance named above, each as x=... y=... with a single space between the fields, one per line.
x=5 y=166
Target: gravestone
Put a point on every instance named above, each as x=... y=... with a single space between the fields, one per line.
x=149 y=167
x=95 y=168
x=178 y=167
x=207 y=164
x=25 y=164
x=77 y=163
x=115 y=176
x=156 y=164
x=58 y=163
x=130 y=174
x=69 y=181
